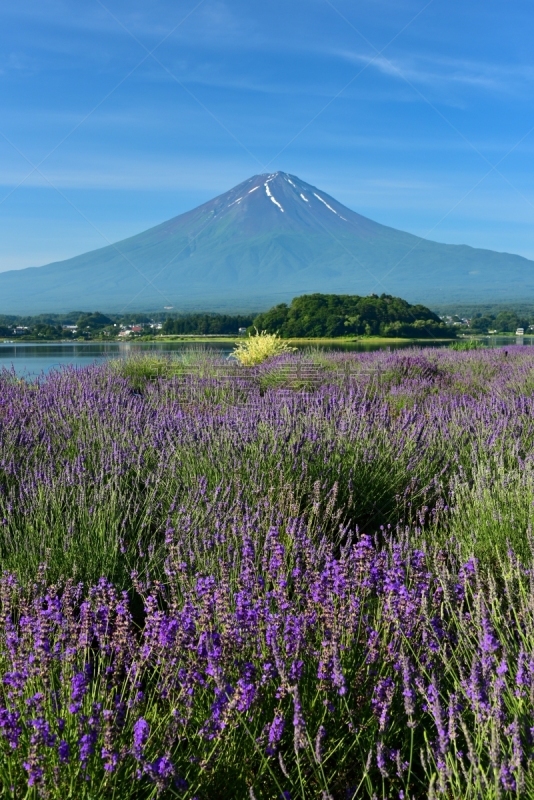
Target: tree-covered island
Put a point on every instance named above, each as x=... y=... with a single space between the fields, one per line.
x=336 y=315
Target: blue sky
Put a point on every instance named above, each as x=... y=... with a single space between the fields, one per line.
x=417 y=114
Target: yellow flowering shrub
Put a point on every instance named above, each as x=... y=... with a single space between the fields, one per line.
x=258 y=347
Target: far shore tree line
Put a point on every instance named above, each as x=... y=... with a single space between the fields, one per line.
x=501 y=322
x=82 y=325
x=307 y=316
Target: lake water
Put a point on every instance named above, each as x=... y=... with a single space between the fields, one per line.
x=32 y=359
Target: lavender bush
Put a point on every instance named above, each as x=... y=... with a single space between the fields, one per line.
x=309 y=579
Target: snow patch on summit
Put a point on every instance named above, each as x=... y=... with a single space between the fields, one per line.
x=304 y=198
x=329 y=207
x=269 y=195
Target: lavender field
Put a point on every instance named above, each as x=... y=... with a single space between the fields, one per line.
x=308 y=579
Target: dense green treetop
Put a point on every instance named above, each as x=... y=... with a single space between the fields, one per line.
x=207 y=324
x=94 y=321
x=333 y=315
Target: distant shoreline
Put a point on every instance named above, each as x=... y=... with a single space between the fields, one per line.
x=218 y=339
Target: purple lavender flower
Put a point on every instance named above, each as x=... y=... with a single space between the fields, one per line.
x=141 y=733
x=381 y=758
x=35 y=701
x=299 y=725
x=521 y=680
x=489 y=643
x=319 y=739
x=276 y=730
x=507 y=778
x=161 y=771
x=87 y=745
x=79 y=686
x=35 y=772
x=10 y=727
x=110 y=759
x=63 y=752
x=42 y=733
x=408 y=690
x=381 y=701
x=246 y=689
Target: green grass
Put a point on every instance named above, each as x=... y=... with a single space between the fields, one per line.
x=492 y=513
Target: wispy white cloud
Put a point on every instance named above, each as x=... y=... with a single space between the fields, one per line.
x=439 y=71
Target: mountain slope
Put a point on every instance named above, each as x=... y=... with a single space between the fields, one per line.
x=270 y=238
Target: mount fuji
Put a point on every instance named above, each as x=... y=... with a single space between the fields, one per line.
x=267 y=240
